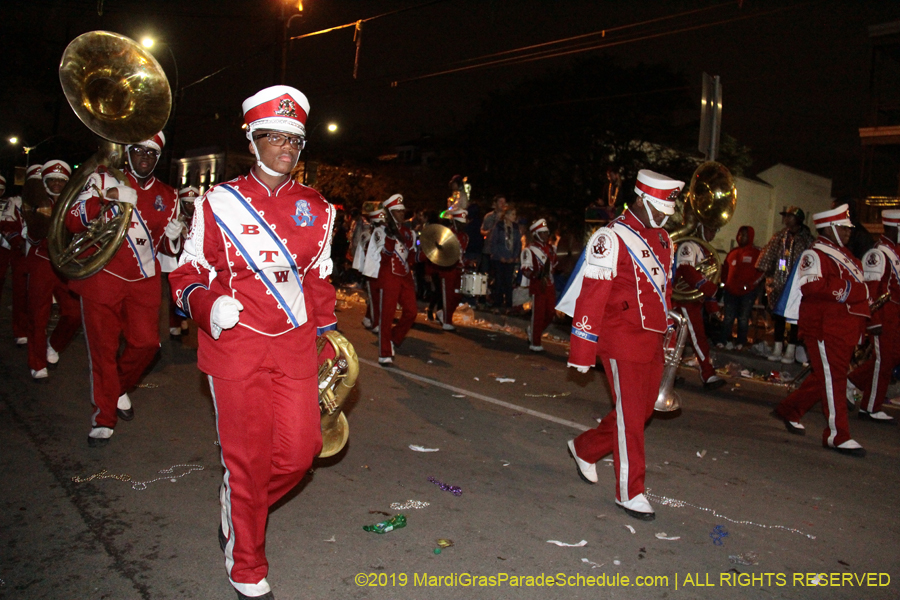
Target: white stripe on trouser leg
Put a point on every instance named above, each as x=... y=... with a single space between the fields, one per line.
x=248 y=589
x=533 y=330
x=620 y=435
x=690 y=327
x=87 y=344
x=870 y=406
x=829 y=393
x=380 y=318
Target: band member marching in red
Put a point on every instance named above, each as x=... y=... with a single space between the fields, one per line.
x=12 y=253
x=254 y=276
x=44 y=284
x=689 y=255
x=618 y=299
x=123 y=299
x=881 y=266
x=538 y=264
x=168 y=263
x=829 y=298
x=367 y=260
x=448 y=279
x=395 y=281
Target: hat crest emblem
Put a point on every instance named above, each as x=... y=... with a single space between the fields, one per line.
x=287 y=108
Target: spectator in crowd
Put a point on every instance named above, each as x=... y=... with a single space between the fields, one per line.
x=741 y=288
x=776 y=261
x=498 y=206
x=506 y=246
x=472 y=257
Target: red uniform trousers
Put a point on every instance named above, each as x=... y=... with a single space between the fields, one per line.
x=635 y=387
x=874 y=376
x=391 y=290
x=830 y=360
x=112 y=308
x=543 y=309
x=693 y=312
x=451 y=279
x=269 y=430
x=43 y=285
x=20 y=321
x=372 y=311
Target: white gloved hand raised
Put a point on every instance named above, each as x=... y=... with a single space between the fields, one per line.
x=225 y=314
x=174 y=228
x=579 y=368
x=122 y=193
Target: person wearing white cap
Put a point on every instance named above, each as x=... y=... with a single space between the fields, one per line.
x=618 y=298
x=881 y=266
x=254 y=276
x=688 y=256
x=44 y=284
x=446 y=280
x=12 y=253
x=395 y=281
x=538 y=265
x=169 y=262
x=372 y=266
x=829 y=299
x=123 y=299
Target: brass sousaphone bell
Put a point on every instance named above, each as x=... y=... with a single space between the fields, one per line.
x=120 y=92
x=337 y=376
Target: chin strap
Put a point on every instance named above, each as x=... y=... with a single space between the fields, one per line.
x=259 y=162
x=650 y=215
x=837 y=238
x=131 y=166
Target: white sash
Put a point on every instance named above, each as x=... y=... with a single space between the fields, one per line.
x=141 y=243
x=281 y=277
x=373 y=253
x=841 y=259
x=635 y=245
x=795 y=293
x=893 y=259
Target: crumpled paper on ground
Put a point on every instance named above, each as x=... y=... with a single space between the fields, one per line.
x=558 y=543
x=422 y=448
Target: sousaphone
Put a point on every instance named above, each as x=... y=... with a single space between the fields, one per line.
x=120 y=92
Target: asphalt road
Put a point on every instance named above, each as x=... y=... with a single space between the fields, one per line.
x=738 y=486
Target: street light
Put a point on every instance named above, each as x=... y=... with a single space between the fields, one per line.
x=284 y=36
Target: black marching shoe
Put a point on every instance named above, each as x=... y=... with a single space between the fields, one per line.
x=876 y=417
x=223 y=541
x=125 y=415
x=791 y=426
x=266 y=596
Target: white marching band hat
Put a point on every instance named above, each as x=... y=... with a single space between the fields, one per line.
x=56 y=168
x=395 y=202
x=890 y=218
x=455 y=213
x=839 y=216
x=157 y=142
x=539 y=225
x=189 y=193
x=659 y=190
x=279 y=108
x=33 y=172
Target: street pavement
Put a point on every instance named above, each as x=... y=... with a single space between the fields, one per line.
x=728 y=483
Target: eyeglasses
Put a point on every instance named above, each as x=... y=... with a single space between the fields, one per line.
x=144 y=151
x=279 y=139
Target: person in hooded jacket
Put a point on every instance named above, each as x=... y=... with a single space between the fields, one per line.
x=741 y=288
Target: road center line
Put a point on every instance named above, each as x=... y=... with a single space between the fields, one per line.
x=522 y=409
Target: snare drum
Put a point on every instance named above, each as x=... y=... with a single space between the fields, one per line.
x=474 y=284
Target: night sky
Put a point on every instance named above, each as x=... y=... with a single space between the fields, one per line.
x=795 y=75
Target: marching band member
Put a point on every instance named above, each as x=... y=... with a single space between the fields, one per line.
x=689 y=255
x=828 y=295
x=368 y=263
x=449 y=278
x=881 y=266
x=395 y=281
x=168 y=263
x=254 y=276
x=123 y=299
x=538 y=264
x=12 y=253
x=44 y=284
x=620 y=291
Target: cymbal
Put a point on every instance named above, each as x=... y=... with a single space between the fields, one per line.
x=440 y=245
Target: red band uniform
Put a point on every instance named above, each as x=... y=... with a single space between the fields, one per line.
x=43 y=285
x=267 y=252
x=539 y=263
x=688 y=256
x=367 y=261
x=450 y=277
x=395 y=284
x=881 y=266
x=123 y=299
x=624 y=296
x=833 y=301
x=12 y=253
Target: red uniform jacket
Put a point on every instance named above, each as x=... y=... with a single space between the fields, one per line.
x=271 y=251
x=537 y=261
x=835 y=299
x=398 y=255
x=157 y=204
x=881 y=266
x=620 y=311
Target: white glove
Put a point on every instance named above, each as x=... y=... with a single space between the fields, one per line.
x=123 y=193
x=174 y=228
x=579 y=368
x=225 y=314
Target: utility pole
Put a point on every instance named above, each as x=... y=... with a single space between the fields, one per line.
x=285 y=39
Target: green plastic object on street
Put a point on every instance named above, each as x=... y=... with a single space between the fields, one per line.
x=395 y=522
